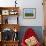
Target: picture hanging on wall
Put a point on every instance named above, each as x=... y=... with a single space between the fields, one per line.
x=29 y=13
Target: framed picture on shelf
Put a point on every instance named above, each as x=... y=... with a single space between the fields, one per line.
x=5 y=12
x=29 y=13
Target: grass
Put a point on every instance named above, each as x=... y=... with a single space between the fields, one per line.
x=28 y=14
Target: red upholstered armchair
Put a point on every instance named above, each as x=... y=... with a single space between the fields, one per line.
x=30 y=38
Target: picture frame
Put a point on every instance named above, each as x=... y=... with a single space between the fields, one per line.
x=5 y=12
x=29 y=13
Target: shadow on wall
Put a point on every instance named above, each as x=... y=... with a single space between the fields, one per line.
x=37 y=29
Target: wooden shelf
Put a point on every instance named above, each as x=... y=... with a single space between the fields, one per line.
x=3 y=8
x=9 y=43
x=9 y=26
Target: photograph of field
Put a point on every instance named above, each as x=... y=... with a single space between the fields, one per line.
x=29 y=12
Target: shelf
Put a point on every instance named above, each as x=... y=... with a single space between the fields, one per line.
x=5 y=8
x=7 y=16
x=7 y=12
x=11 y=41
x=11 y=26
x=10 y=19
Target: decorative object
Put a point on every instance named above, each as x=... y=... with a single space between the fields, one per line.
x=7 y=34
x=29 y=13
x=13 y=12
x=15 y=36
x=15 y=3
x=6 y=21
x=30 y=38
x=31 y=41
x=5 y=12
x=15 y=30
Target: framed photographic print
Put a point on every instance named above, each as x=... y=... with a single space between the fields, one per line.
x=29 y=13
x=5 y=12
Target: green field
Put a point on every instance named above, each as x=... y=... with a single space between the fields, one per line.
x=28 y=14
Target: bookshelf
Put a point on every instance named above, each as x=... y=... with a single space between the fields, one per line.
x=9 y=20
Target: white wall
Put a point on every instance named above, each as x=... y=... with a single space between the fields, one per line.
x=39 y=13
x=27 y=4
x=6 y=3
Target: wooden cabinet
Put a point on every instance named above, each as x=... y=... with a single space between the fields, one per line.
x=9 y=22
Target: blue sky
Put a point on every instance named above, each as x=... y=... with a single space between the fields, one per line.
x=28 y=10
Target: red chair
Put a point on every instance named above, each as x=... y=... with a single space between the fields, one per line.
x=29 y=33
